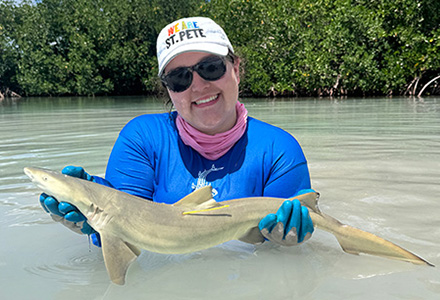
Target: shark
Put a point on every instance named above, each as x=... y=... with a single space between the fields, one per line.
x=127 y=223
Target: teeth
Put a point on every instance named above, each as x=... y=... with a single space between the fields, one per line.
x=206 y=100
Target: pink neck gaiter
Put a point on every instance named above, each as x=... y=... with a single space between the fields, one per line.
x=214 y=146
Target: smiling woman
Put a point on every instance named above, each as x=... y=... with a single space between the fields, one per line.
x=208 y=105
x=209 y=140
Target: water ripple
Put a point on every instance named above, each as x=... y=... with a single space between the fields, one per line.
x=69 y=265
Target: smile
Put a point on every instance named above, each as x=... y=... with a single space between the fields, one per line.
x=206 y=100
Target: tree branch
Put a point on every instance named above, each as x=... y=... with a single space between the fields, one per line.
x=426 y=85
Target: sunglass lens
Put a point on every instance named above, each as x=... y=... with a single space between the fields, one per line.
x=179 y=80
x=211 y=69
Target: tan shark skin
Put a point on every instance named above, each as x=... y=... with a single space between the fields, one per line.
x=196 y=222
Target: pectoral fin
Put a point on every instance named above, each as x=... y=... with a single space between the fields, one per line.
x=118 y=255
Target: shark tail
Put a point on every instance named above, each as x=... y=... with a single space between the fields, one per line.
x=356 y=241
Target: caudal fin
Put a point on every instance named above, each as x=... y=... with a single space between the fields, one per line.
x=356 y=241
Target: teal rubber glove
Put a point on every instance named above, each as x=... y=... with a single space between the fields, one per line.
x=290 y=226
x=66 y=213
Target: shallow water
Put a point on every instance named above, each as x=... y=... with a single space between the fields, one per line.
x=376 y=163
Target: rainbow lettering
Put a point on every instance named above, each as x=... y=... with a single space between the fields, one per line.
x=183 y=26
x=181 y=31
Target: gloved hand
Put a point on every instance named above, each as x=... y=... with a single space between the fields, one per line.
x=290 y=226
x=66 y=213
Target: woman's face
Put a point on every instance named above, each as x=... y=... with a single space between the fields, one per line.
x=209 y=106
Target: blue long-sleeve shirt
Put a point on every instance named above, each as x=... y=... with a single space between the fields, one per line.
x=150 y=160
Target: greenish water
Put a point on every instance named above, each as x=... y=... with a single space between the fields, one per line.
x=376 y=163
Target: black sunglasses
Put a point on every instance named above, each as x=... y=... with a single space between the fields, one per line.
x=211 y=68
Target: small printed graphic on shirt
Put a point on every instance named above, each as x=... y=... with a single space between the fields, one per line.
x=201 y=181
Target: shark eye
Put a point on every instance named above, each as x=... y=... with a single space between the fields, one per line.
x=45 y=178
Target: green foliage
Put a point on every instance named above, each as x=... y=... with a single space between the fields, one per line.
x=329 y=47
x=83 y=47
x=288 y=47
x=8 y=62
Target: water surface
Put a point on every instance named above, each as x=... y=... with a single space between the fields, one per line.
x=376 y=163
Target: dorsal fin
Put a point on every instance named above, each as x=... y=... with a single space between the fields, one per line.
x=199 y=199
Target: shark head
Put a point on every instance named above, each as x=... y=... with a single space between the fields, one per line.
x=51 y=182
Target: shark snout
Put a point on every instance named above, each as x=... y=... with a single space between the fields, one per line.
x=29 y=173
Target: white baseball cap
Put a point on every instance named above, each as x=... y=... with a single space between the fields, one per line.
x=196 y=34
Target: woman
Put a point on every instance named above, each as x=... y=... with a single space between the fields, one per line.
x=208 y=140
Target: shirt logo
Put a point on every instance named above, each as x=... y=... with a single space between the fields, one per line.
x=201 y=181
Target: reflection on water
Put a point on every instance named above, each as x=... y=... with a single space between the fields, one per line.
x=376 y=163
